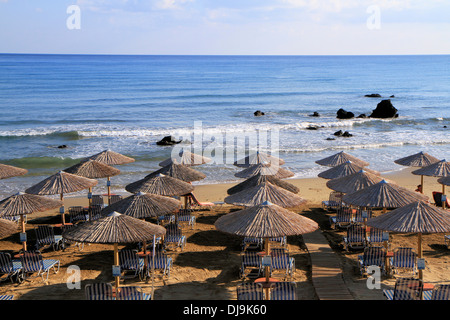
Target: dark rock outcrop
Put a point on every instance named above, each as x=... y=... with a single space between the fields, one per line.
x=315 y=114
x=384 y=110
x=373 y=95
x=258 y=113
x=167 y=141
x=342 y=114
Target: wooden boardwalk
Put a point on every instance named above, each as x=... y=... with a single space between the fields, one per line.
x=326 y=269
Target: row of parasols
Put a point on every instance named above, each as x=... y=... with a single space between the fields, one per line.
x=412 y=212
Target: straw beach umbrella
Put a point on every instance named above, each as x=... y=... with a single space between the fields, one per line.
x=258 y=158
x=340 y=158
x=7 y=171
x=21 y=204
x=421 y=159
x=437 y=169
x=186 y=158
x=114 y=228
x=92 y=169
x=343 y=170
x=265 y=220
x=110 y=158
x=265 y=192
x=265 y=169
x=417 y=217
x=7 y=228
x=160 y=184
x=179 y=171
x=144 y=205
x=354 y=182
x=61 y=183
x=384 y=195
x=261 y=178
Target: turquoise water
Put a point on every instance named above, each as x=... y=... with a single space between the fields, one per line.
x=126 y=103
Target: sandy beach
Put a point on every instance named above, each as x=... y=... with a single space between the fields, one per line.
x=208 y=267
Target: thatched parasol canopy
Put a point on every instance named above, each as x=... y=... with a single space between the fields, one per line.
x=257 y=158
x=340 y=158
x=114 y=228
x=383 y=195
x=7 y=228
x=24 y=203
x=111 y=158
x=265 y=220
x=261 y=178
x=343 y=170
x=265 y=169
x=179 y=171
x=437 y=169
x=421 y=159
x=7 y=171
x=186 y=158
x=143 y=205
x=93 y=169
x=265 y=192
x=416 y=217
x=354 y=182
x=444 y=181
x=160 y=184
x=60 y=183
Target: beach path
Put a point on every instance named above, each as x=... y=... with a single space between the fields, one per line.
x=327 y=275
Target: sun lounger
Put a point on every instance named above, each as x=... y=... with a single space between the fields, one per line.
x=250 y=291
x=356 y=238
x=174 y=237
x=283 y=262
x=184 y=216
x=361 y=215
x=12 y=269
x=375 y=237
x=250 y=262
x=279 y=241
x=404 y=261
x=99 y=291
x=129 y=260
x=250 y=243
x=97 y=199
x=405 y=289
x=114 y=198
x=283 y=291
x=334 y=201
x=372 y=256
x=95 y=212
x=162 y=263
x=437 y=197
x=6 y=297
x=33 y=262
x=439 y=292
x=45 y=236
x=343 y=218
x=195 y=204
x=132 y=293
x=78 y=214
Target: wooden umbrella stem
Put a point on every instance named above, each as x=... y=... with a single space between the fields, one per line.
x=420 y=254
x=116 y=263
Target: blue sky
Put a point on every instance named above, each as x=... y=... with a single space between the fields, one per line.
x=264 y=27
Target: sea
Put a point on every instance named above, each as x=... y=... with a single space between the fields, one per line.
x=126 y=103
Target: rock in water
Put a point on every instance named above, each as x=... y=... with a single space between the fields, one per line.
x=258 y=113
x=384 y=109
x=342 y=114
x=167 y=141
x=373 y=95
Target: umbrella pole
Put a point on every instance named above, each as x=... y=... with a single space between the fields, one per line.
x=420 y=253
x=443 y=193
x=153 y=266
x=266 y=268
x=116 y=263
x=421 y=184
x=61 y=209
x=22 y=222
x=108 y=185
x=90 y=197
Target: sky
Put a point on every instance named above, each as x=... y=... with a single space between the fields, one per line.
x=225 y=27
